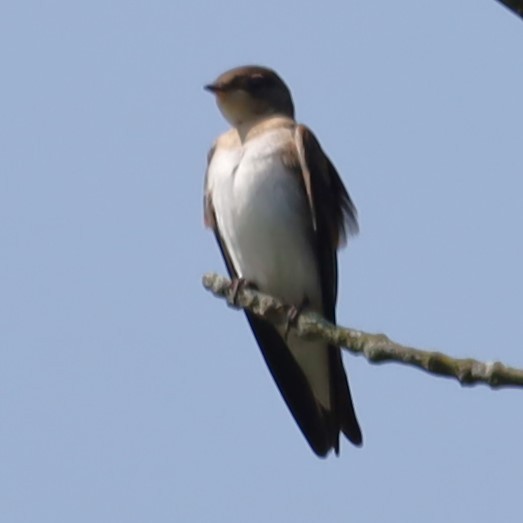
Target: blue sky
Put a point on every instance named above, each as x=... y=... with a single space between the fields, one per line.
x=127 y=393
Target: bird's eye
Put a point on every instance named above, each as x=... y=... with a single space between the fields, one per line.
x=256 y=81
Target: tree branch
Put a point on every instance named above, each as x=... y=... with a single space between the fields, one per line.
x=377 y=348
x=514 y=5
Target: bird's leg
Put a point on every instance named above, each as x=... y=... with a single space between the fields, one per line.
x=237 y=285
x=293 y=314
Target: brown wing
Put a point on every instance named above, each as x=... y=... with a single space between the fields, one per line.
x=324 y=185
x=334 y=217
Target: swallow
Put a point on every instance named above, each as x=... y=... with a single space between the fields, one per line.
x=279 y=212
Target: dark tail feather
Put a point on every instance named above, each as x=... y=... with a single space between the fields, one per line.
x=346 y=415
x=293 y=386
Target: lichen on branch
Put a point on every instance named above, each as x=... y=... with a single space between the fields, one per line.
x=376 y=348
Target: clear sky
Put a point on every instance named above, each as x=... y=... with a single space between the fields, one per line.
x=128 y=393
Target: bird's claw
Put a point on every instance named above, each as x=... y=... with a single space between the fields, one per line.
x=238 y=284
x=292 y=316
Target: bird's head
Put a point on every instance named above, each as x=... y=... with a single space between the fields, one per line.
x=249 y=93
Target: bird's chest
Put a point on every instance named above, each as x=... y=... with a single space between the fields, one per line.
x=262 y=215
x=251 y=182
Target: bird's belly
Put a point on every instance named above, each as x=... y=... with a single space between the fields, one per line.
x=263 y=217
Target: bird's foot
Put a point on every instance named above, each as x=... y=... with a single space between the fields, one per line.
x=293 y=314
x=238 y=284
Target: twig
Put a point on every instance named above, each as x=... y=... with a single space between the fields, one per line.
x=377 y=348
x=514 y=5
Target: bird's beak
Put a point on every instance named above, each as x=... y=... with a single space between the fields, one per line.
x=214 y=88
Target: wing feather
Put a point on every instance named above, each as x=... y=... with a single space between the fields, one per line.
x=333 y=216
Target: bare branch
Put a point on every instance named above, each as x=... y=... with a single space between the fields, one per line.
x=514 y=5
x=377 y=348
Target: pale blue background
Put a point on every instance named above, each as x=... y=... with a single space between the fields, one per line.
x=129 y=394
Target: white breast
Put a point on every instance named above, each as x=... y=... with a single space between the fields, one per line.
x=263 y=217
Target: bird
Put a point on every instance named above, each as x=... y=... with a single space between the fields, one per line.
x=279 y=212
